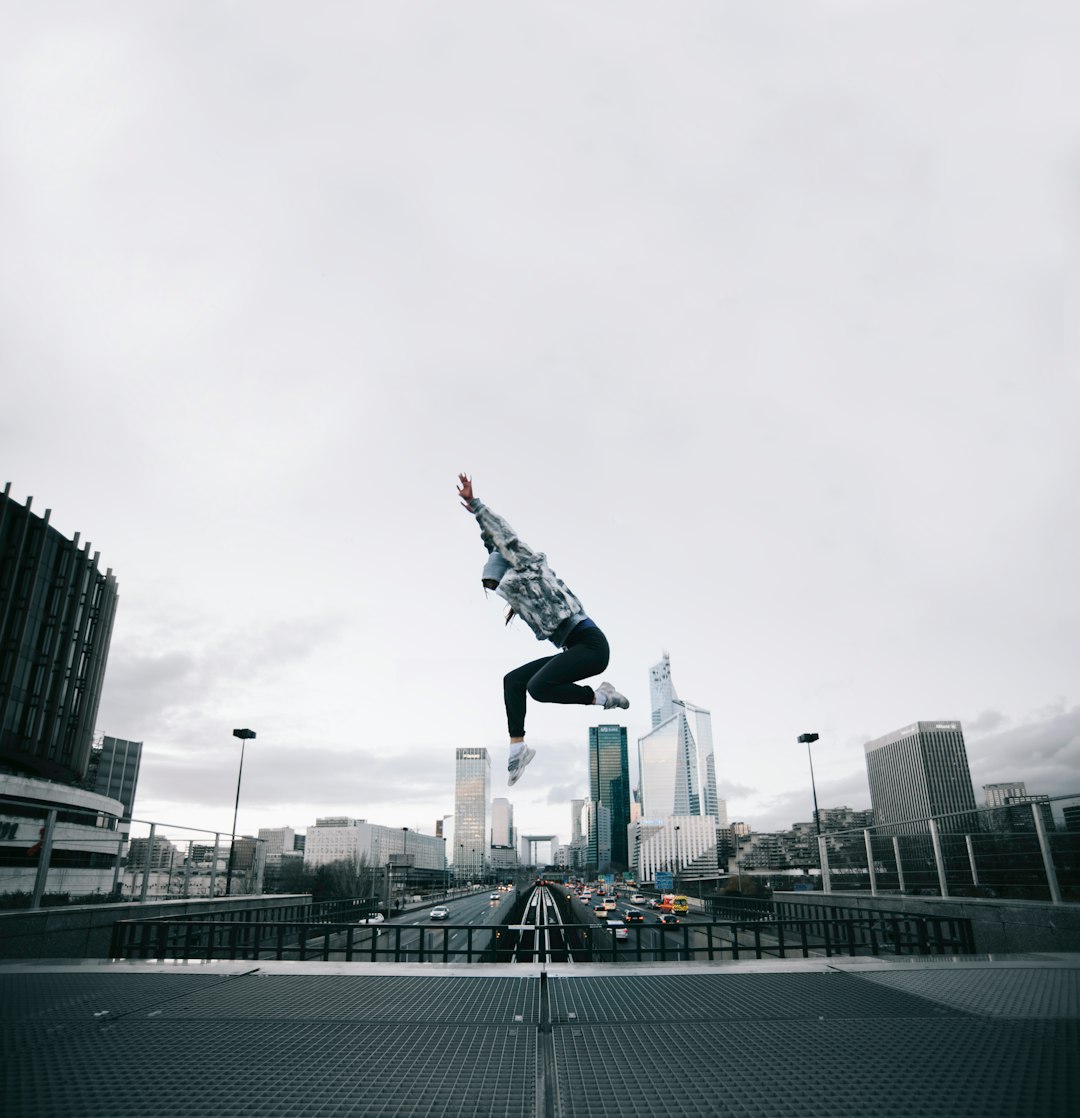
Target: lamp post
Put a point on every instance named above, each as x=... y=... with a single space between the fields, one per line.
x=808 y=738
x=244 y=736
x=678 y=860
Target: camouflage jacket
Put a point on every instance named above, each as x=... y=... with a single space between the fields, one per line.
x=538 y=596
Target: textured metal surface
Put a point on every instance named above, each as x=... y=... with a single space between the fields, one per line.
x=370 y=998
x=979 y=1040
x=136 y=1068
x=996 y=993
x=709 y=997
x=872 y=1068
x=75 y=995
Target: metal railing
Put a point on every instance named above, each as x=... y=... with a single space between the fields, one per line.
x=1016 y=852
x=303 y=940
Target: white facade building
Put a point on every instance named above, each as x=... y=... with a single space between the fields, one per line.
x=679 y=844
x=338 y=838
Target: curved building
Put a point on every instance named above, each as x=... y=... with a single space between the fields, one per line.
x=56 y=618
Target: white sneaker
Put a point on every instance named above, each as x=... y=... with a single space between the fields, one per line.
x=516 y=765
x=612 y=698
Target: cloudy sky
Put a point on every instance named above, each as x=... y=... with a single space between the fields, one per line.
x=758 y=319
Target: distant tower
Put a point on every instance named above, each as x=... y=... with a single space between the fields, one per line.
x=115 y=770
x=56 y=619
x=918 y=772
x=998 y=795
x=609 y=783
x=472 y=810
x=661 y=691
x=502 y=822
x=676 y=763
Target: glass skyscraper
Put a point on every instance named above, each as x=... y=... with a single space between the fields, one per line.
x=609 y=783
x=472 y=811
x=675 y=759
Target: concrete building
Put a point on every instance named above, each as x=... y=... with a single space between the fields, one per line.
x=472 y=812
x=918 y=772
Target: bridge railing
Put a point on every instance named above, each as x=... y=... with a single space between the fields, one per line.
x=1019 y=851
x=825 y=936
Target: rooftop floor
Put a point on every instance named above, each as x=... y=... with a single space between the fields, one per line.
x=926 y=1037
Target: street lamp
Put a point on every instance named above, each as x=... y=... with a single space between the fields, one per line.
x=244 y=736
x=808 y=738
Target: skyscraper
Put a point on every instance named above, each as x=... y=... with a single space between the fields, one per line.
x=114 y=770
x=919 y=772
x=472 y=811
x=56 y=618
x=609 y=783
x=675 y=759
x=502 y=822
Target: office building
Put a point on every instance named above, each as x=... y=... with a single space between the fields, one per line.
x=676 y=759
x=113 y=770
x=998 y=795
x=339 y=838
x=56 y=619
x=609 y=783
x=918 y=772
x=279 y=841
x=472 y=811
x=683 y=845
x=596 y=820
x=87 y=844
x=502 y=822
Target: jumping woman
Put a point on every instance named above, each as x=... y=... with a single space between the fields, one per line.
x=547 y=605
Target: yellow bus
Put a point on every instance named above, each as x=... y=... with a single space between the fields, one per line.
x=674 y=902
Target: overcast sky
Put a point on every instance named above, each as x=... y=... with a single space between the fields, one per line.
x=758 y=319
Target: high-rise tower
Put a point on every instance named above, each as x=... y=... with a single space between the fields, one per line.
x=56 y=618
x=676 y=761
x=609 y=783
x=919 y=772
x=472 y=811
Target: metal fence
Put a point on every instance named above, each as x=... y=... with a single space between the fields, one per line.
x=71 y=854
x=330 y=940
x=1020 y=851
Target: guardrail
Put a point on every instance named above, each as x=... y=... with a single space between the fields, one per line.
x=880 y=934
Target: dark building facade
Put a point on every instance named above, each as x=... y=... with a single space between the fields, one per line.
x=114 y=770
x=609 y=784
x=919 y=772
x=56 y=619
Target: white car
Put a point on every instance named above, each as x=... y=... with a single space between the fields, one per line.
x=376 y=918
x=618 y=929
x=638 y=898
x=493 y=896
x=439 y=912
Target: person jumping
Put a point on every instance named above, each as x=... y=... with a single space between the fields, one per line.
x=547 y=605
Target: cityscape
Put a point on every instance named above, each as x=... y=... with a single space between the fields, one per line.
x=651 y=812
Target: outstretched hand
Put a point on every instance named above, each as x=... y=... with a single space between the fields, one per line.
x=465 y=489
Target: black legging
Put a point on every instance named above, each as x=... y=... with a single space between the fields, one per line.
x=551 y=679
